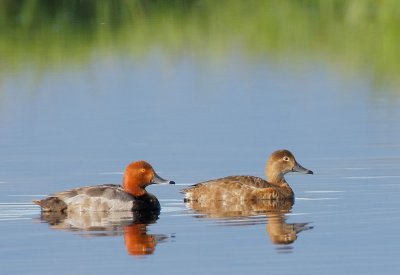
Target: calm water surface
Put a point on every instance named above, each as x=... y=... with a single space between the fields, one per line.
x=82 y=127
x=196 y=118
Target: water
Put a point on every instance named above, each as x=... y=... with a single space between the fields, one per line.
x=198 y=117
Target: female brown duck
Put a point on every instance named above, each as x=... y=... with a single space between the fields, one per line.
x=240 y=188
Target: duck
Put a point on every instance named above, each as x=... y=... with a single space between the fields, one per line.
x=130 y=196
x=238 y=189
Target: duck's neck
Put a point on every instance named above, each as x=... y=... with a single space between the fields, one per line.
x=277 y=179
x=133 y=188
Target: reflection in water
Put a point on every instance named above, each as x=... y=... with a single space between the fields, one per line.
x=281 y=232
x=132 y=225
x=138 y=242
x=250 y=212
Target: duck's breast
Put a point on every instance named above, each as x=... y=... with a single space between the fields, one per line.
x=146 y=202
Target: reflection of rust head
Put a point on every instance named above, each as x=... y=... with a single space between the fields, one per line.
x=137 y=241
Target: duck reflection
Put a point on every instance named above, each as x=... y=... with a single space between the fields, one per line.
x=281 y=232
x=132 y=225
x=254 y=212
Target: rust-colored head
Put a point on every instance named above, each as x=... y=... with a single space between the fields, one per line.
x=138 y=175
x=281 y=162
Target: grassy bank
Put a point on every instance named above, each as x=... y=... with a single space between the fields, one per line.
x=353 y=34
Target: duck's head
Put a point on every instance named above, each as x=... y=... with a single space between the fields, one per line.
x=140 y=174
x=280 y=163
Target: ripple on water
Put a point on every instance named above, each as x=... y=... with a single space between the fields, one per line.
x=17 y=211
x=372 y=177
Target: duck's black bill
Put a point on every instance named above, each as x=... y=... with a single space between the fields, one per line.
x=300 y=169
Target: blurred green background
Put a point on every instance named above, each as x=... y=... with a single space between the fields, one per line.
x=361 y=36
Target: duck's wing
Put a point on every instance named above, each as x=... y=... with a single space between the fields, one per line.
x=108 y=191
x=60 y=201
x=232 y=188
x=229 y=182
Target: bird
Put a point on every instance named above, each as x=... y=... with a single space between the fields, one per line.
x=237 y=189
x=131 y=196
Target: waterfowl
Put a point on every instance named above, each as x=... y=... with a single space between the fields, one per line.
x=131 y=196
x=235 y=189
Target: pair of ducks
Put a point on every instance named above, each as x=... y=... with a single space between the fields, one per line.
x=132 y=195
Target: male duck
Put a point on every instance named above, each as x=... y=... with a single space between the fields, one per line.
x=234 y=189
x=110 y=197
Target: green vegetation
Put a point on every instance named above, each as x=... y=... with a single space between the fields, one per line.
x=356 y=35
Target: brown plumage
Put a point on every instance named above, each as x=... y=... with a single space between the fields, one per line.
x=249 y=188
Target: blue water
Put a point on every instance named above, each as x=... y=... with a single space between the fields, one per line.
x=193 y=120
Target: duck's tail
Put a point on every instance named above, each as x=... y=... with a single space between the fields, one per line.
x=52 y=204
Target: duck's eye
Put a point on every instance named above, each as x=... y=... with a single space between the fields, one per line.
x=142 y=170
x=285 y=158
